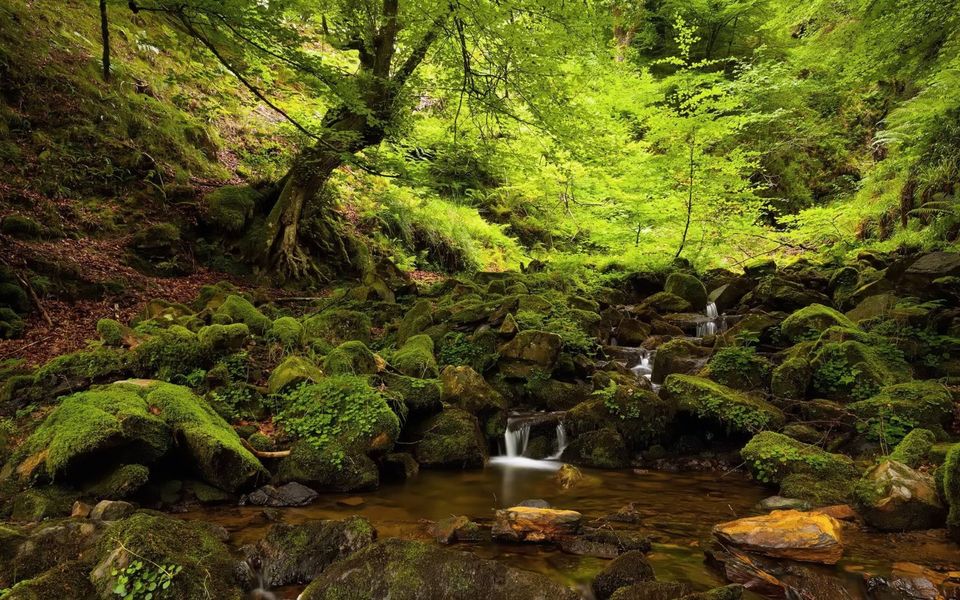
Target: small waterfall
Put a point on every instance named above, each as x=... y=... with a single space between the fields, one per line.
x=561 y=442
x=516 y=437
x=709 y=327
x=644 y=368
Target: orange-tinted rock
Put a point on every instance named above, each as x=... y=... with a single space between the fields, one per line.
x=803 y=536
x=840 y=512
x=527 y=524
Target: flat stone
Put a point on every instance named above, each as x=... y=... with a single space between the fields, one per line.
x=455 y=529
x=111 y=510
x=526 y=524
x=791 y=534
x=781 y=503
x=290 y=494
x=840 y=512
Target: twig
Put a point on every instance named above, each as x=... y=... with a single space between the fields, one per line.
x=264 y=453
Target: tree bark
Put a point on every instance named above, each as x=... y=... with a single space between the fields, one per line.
x=105 y=37
x=686 y=228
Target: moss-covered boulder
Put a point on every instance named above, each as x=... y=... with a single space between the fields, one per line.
x=77 y=370
x=122 y=482
x=298 y=554
x=791 y=378
x=678 y=356
x=450 y=439
x=351 y=358
x=415 y=358
x=853 y=370
x=640 y=416
x=601 y=449
x=237 y=309
x=530 y=351
x=293 y=371
x=950 y=474
x=897 y=409
x=894 y=497
x=338 y=326
x=65 y=580
x=420 y=396
x=286 y=331
x=914 y=449
x=397 y=568
x=206 y=569
x=734 y=411
x=111 y=332
x=20 y=227
x=777 y=293
x=810 y=321
x=230 y=207
x=813 y=474
x=168 y=353
x=665 y=302
x=218 y=340
x=739 y=367
x=464 y=388
x=415 y=321
x=40 y=503
x=329 y=468
x=687 y=287
x=627 y=569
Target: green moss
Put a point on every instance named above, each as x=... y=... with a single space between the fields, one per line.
x=740 y=367
x=415 y=358
x=851 y=369
x=601 y=449
x=120 y=483
x=213 y=446
x=80 y=368
x=914 y=448
x=66 y=580
x=898 y=409
x=736 y=411
x=205 y=562
x=169 y=353
x=817 y=490
x=331 y=468
x=293 y=371
x=418 y=395
x=236 y=309
x=772 y=456
x=450 y=439
x=338 y=326
x=111 y=332
x=417 y=319
x=459 y=349
x=687 y=287
x=666 y=302
x=11 y=325
x=286 y=331
x=951 y=489
x=21 y=227
x=350 y=358
x=790 y=379
x=230 y=207
x=112 y=418
x=37 y=504
x=810 y=321
x=261 y=442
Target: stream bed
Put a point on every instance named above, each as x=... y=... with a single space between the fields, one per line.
x=677 y=511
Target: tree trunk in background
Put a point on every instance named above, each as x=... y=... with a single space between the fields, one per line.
x=105 y=36
x=686 y=228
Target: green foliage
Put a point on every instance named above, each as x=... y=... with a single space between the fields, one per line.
x=230 y=207
x=139 y=581
x=914 y=447
x=459 y=349
x=111 y=331
x=771 y=457
x=739 y=367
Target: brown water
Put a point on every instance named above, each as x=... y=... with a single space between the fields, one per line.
x=678 y=511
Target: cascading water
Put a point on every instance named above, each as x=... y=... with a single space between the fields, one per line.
x=709 y=327
x=516 y=439
x=644 y=368
x=561 y=442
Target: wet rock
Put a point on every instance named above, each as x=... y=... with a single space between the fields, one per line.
x=708 y=400
x=678 y=356
x=455 y=529
x=291 y=494
x=727 y=592
x=45 y=547
x=291 y=554
x=840 y=512
x=464 y=388
x=729 y=294
x=909 y=581
x=631 y=332
x=399 y=466
x=781 y=503
x=450 y=439
x=581 y=546
x=622 y=539
x=602 y=449
x=535 y=503
x=568 y=476
x=773 y=578
x=894 y=497
x=809 y=537
x=311 y=466
x=80 y=510
x=530 y=351
x=527 y=524
x=412 y=570
x=111 y=510
x=627 y=569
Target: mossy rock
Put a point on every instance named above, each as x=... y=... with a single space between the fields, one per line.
x=530 y=351
x=914 y=448
x=819 y=491
x=398 y=568
x=810 y=321
x=950 y=474
x=67 y=580
x=791 y=378
x=450 y=439
x=640 y=416
x=120 y=483
x=772 y=456
x=898 y=409
x=464 y=388
x=111 y=332
x=14 y=297
x=217 y=340
x=687 y=287
x=415 y=358
x=534 y=303
x=37 y=504
x=420 y=396
x=891 y=496
x=293 y=371
x=760 y=267
x=415 y=321
x=351 y=358
x=79 y=369
x=207 y=568
x=338 y=326
x=331 y=468
x=777 y=293
x=853 y=370
x=740 y=367
x=555 y=395
x=11 y=325
x=21 y=227
x=229 y=208
x=735 y=411
x=237 y=309
x=678 y=356
x=170 y=352
x=286 y=331
x=665 y=302
x=601 y=449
